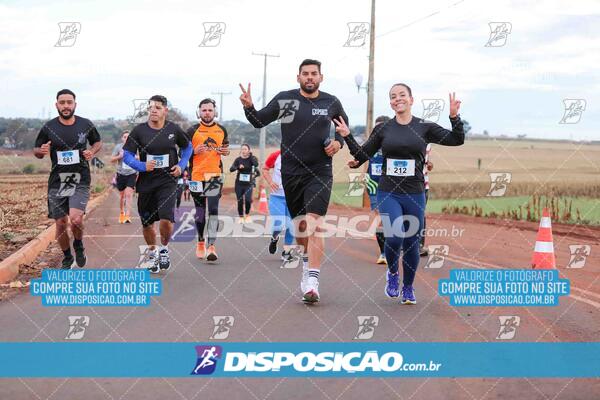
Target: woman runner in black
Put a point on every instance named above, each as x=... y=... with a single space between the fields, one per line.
x=400 y=194
x=246 y=166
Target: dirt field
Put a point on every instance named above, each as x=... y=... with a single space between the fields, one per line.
x=23 y=208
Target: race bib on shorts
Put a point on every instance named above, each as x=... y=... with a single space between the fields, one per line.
x=244 y=177
x=162 y=161
x=68 y=157
x=195 y=186
x=376 y=169
x=400 y=167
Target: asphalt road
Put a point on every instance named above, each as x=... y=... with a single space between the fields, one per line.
x=249 y=285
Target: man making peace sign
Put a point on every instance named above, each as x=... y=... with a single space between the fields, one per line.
x=306 y=116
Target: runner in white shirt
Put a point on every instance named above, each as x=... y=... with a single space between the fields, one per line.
x=279 y=213
x=125 y=180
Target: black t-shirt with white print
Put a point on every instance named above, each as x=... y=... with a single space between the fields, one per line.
x=161 y=145
x=66 y=148
x=305 y=125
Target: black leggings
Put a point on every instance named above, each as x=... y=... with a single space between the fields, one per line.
x=203 y=203
x=244 y=198
x=180 y=189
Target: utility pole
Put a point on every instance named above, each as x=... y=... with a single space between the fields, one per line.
x=370 y=84
x=221 y=103
x=263 y=131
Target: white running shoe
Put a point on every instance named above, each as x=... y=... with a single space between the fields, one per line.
x=311 y=294
x=150 y=261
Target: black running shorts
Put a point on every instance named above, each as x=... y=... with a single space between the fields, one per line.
x=158 y=204
x=125 y=181
x=308 y=193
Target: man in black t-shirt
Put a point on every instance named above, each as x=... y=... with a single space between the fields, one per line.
x=306 y=116
x=65 y=139
x=157 y=142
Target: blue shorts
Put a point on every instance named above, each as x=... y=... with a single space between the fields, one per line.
x=280 y=217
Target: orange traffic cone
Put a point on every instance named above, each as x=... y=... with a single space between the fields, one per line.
x=543 y=254
x=263 y=207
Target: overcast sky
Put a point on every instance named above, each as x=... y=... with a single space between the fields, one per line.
x=133 y=49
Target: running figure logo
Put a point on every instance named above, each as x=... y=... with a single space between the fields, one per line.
x=145 y=261
x=68 y=34
x=287 y=110
x=508 y=327
x=213 y=186
x=77 y=325
x=212 y=34
x=437 y=255
x=499 y=183
x=293 y=260
x=356 y=184
x=68 y=183
x=366 y=326
x=579 y=254
x=140 y=111
x=223 y=324
x=207 y=359
x=432 y=109
x=499 y=32
x=357 y=34
x=81 y=137
x=574 y=108
x=211 y=143
x=184 y=224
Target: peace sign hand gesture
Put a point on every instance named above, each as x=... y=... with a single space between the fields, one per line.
x=341 y=127
x=454 y=105
x=246 y=96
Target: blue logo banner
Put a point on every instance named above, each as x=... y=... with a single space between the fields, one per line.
x=96 y=287
x=493 y=287
x=301 y=359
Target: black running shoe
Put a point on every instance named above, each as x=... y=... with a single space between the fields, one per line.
x=80 y=257
x=67 y=262
x=273 y=245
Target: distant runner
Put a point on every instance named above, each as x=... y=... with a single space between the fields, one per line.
x=125 y=181
x=246 y=166
x=278 y=212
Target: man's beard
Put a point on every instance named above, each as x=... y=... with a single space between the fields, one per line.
x=68 y=116
x=207 y=121
x=310 y=91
